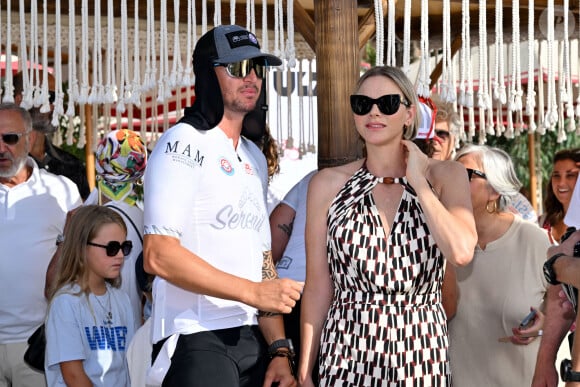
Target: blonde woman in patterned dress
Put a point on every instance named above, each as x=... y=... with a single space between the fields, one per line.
x=377 y=230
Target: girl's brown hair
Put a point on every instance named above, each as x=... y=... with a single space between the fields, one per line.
x=83 y=226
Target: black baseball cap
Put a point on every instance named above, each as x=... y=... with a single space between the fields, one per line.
x=229 y=44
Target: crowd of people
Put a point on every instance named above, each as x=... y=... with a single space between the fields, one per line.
x=409 y=266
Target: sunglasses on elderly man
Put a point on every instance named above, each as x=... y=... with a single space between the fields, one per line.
x=11 y=138
x=243 y=68
x=388 y=104
x=112 y=248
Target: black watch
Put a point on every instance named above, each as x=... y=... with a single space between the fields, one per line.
x=282 y=343
x=549 y=273
x=566 y=372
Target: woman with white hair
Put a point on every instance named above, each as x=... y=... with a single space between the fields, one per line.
x=501 y=284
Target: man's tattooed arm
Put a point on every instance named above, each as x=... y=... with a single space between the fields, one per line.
x=268 y=273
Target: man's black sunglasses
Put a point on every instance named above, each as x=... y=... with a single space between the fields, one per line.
x=113 y=247
x=242 y=68
x=388 y=104
x=11 y=138
x=471 y=172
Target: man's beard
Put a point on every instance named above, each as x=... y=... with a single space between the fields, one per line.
x=17 y=164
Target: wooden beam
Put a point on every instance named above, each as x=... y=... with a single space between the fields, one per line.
x=367 y=25
x=436 y=73
x=304 y=24
x=337 y=72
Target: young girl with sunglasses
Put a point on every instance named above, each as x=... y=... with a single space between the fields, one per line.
x=378 y=231
x=89 y=322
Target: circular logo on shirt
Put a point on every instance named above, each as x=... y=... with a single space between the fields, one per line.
x=226 y=166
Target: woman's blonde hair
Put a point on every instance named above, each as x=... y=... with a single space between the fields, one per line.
x=83 y=226
x=407 y=88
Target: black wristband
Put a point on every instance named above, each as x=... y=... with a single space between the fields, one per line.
x=282 y=343
x=566 y=372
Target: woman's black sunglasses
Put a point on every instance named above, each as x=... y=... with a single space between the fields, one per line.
x=113 y=247
x=471 y=172
x=388 y=104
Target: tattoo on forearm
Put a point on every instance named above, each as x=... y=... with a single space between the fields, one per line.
x=268 y=269
x=268 y=273
x=286 y=228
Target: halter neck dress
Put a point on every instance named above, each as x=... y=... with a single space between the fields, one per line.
x=386 y=325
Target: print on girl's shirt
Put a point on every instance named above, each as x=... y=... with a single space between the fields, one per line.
x=113 y=338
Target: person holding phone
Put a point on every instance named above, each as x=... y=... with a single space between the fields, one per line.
x=501 y=284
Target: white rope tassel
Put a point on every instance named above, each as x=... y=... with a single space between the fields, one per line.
x=531 y=94
x=177 y=69
x=34 y=57
x=483 y=98
x=541 y=128
x=278 y=28
x=150 y=54
x=84 y=91
x=73 y=89
x=28 y=71
x=311 y=146
x=566 y=84
x=8 y=82
x=446 y=89
x=232 y=11
x=551 y=117
x=217 y=16
x=59 y=97
x=187 y=79
x=380 y=33
x=203 y=17
x=135 y=90
x=501 y=89
x=250 y=16
x=290 y=47
x=265 y=41
x=109 y=92
x=163 y=90
x=407 y=38
x=123 y=66
x=465 y=53
x=43 y=95
x=424 y=69
x=27 y=92
x=97 y=88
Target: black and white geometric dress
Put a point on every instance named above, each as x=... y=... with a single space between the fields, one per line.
x=386 y=325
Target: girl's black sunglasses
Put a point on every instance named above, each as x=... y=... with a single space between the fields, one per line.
x=113 y=247
x=388 y=104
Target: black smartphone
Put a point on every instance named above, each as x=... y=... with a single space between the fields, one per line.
x=528 y=319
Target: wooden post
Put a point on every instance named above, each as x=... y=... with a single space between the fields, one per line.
x=89 y=155
x=337 y=62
